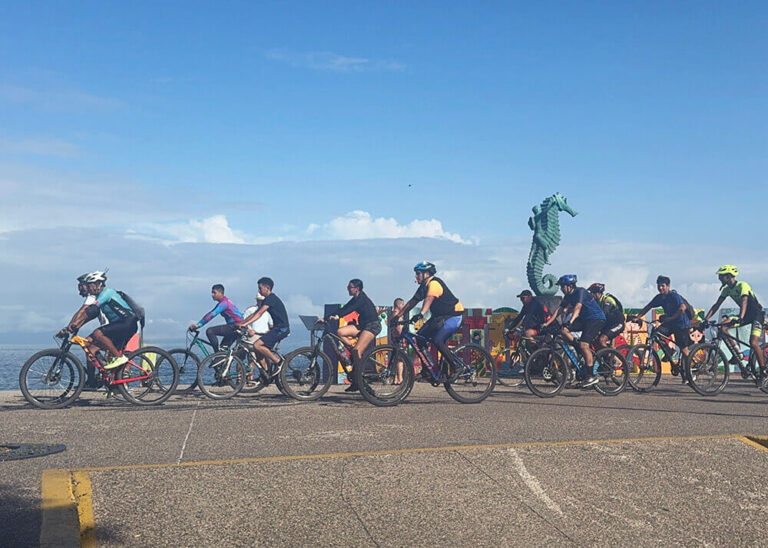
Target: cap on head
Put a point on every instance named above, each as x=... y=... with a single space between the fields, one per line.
x=525 y=293
x=425 y=266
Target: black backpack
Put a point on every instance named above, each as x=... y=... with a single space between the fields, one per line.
x=136 y=307
x=688 y=308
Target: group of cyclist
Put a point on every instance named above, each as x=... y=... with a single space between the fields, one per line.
x=598 y=317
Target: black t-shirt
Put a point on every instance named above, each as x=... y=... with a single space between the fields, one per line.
x=364 y=307
x=532 y=315
x=276 y=310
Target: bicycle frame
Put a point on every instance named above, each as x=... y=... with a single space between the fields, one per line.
x=414 y=340
x=725 y=337
x=94 y=360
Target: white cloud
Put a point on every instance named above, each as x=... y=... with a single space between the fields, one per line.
x=57 y=99
x=212 y=230
x=328 y=61
x=360 y=225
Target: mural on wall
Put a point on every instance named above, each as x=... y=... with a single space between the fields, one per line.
x=546 y=237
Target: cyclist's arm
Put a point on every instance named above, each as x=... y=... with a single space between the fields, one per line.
x=255 y=316
x=743 y=311
x=554 y=315
x=714 y=308
x=407 y=308
x=78 y=315
x=680 y=310
x=218 y=309
x=428 y=300
x=83 y=316
x=576 y=312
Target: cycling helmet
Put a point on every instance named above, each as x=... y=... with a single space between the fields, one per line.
x=81 y=279
x=425 y=266
x=596 y=288
x=728 y=269
x=567 y=279
x=96 y=276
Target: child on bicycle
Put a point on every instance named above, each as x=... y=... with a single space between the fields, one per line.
x=280 y=328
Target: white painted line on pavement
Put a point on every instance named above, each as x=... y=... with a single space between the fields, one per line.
x=532 y=483
x=189 y=431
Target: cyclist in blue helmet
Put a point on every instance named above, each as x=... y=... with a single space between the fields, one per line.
x=446 y=310
x=586 y=316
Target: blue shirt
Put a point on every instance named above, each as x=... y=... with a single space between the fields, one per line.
x=113 y=305
x=590 y=308
x=671 y=303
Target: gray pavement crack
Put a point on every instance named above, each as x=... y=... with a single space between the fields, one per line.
x=520 y=500
x=351 y=506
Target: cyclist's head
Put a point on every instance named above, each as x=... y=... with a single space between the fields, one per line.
x=265 y=285
x=398 y=304
x=355 y=286
x=525 y=295
x=727 y=274
x=217 y=292
x=82 y=286
x=424 y=270
x=662 y=284
x=567 y=283
x=95 y=281
x=596 y=288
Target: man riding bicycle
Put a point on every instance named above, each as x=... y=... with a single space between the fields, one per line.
x=445 y=308
x=123 y=321
x=533 y=314
x=675 y=321
x=231 y=316
x=280 y=328
x=614 y=314
x=750 y=310
x=586 y=316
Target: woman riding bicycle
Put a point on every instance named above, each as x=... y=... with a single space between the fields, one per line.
x=365 y=330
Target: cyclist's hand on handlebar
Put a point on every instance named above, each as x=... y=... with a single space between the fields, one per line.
x=417 y=317
x=193 y=327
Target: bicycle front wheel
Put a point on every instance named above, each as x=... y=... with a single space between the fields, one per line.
x=377 y=372
x=762 y=383
x=473 y=377
x=221 y=376
x=644 y=368
x=706 y=369
x=188 y=363
x=306 y=374
x=51 y=379
x=149 y=378
x=611 y=369
x=509 y=370
x=545 y=373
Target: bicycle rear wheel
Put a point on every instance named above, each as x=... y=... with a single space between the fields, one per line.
x=51 y=379
x=221 y=376
x=545 y=373
x=151 y=374
x=306 y=374
x=644 y=368
x=375 y=375
x=509 y=371
x=474 y=377
x=762 y=383
x=611 y=369
x=706 y=369
x=188 y=363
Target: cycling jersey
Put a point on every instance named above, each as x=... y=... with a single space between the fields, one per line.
x=113 y=305
x=532 y=315
x=590 y=310
x=445 y=303
x=227 y=309
x=614 y=313
x=91 y=299
x=737 y=292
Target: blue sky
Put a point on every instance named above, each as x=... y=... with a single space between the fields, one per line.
x=277 y=122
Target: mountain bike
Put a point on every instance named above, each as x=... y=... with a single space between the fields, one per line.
x=644 y=360
x=308 y=372
x=510 y=361
x=54 y=378
x=558 y=364
x=708 y=368
x=188 y=359
x=468 y=373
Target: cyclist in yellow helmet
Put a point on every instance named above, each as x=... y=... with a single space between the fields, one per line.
x=750 y=311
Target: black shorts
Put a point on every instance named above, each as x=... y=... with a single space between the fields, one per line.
x=274 y=335
x=374 y=327
x=121 y=331
x=682 y=335
x=589 y=329
x=612 y=330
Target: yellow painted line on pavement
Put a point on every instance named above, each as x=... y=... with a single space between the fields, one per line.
x=81 y=493
x=60 y=526
x=749 y=441
x=248 y=460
